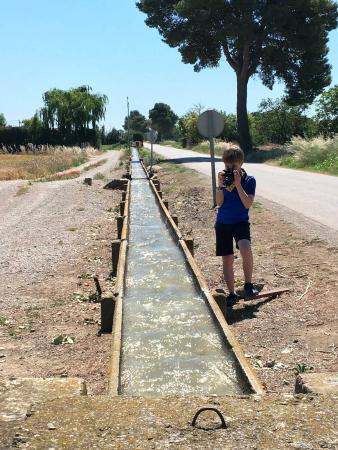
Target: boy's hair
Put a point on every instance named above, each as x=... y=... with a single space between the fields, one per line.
x=233 y=155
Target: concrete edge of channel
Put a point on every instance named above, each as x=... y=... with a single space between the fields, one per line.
x=244 y=365
x=114 y=364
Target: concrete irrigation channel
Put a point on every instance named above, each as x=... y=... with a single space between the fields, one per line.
x=169 y=335
x=173 y=357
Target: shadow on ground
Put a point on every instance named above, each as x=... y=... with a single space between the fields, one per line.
x=247 y=311
x=191 y=159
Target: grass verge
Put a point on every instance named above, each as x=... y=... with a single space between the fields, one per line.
x=93 y=166
x=316 y=155
x=108 y=147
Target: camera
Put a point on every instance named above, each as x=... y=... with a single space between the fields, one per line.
x=228 y=177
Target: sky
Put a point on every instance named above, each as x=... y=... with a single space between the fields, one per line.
x=105 y=44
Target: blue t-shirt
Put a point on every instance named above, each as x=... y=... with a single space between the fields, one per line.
x=233 y=211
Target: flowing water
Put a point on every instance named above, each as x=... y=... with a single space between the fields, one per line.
x=170 y=343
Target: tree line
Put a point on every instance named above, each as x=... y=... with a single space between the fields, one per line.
x=68 y=117
x=73 y=118
x=275 y=122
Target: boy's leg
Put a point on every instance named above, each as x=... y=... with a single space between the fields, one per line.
x=244 y=246
x=224 y=248
x=228 y=272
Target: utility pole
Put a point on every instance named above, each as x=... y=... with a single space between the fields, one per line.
x=128 y=124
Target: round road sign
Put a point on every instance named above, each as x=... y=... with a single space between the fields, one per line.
x=210 y=123
x=151 y=136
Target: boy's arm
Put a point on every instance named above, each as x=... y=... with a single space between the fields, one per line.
x=246 y=199
x=219 y=190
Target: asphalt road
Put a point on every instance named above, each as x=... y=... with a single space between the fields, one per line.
x=314 y=196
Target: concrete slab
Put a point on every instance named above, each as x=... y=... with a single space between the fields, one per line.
x=256 y=422
x=18 y=395
x=317 y=383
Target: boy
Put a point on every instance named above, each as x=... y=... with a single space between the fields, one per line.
x=234 y=197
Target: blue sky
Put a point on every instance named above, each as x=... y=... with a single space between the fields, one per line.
x=106 y=44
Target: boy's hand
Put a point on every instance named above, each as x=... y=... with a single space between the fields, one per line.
x=237 y=178
x=220 y=179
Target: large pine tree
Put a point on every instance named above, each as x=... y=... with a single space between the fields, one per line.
x=276 y=39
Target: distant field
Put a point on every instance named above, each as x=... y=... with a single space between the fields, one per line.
x=32 y=166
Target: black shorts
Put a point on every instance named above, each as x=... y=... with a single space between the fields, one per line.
x=226 y=233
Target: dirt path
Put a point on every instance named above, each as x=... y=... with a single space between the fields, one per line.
x=51 y=235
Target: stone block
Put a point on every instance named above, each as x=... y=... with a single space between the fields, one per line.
x=317 y=383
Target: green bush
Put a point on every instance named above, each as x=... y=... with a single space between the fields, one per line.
x=318 y=154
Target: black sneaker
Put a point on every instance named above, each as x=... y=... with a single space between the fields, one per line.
x=250 y=290
x=231 y=300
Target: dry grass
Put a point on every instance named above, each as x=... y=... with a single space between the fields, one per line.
x=29 y=166
x=317 y=154
x=220 y=146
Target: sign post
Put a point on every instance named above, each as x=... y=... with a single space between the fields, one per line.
x=210 y=124
x=152 y=136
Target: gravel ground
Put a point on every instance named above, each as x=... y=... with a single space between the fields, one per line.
x=50 y=236
x=33 y=224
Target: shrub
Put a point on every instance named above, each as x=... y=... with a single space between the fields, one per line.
x=318 y=153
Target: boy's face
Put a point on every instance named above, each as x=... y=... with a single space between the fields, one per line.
x=233 y=165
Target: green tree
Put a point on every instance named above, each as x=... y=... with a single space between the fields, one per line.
x=137 y=122
x=35 y=127
x=34 y=122
x=187 y=126
x=327 y=111
x=230 y=127
x=277 y=122
x=113 y=136
x=276 y=39
x=2 y=120
x=73 y=112
x=163 y=119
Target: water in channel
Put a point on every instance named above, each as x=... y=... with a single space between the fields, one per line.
x=170 y=342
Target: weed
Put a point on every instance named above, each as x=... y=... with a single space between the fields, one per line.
x=22 y=190
x=99 y=176
x=11 y=331
x=302 y=368
x=58 y=302
x=86 y=276
x=91 y=298
x=94 y=298
x=33 y=311
x=62 y=340
x=71 y=229
x=3 y=321
x=81 y=297
x=257 y=205
x=60 y=177
x=94 y=165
